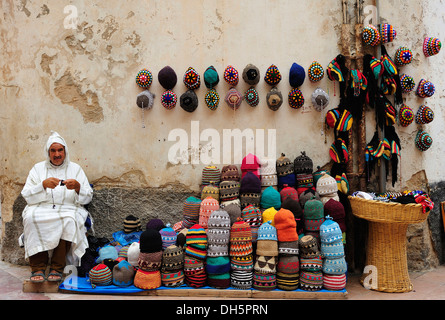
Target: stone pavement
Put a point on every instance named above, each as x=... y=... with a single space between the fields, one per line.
x=428 y=285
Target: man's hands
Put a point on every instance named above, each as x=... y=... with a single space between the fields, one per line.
x=71 y=184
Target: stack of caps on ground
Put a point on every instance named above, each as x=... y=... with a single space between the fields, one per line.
x=250 y=190
x=327 y=188
x=251 y=163
x=208 y=205
x=288 y=268
x=123 y=274
x=168 y=236
x=313 y=217
x=229 y=192
x=268 y=173
x=172 y=268
x=265 y=271
x=290 y=201
x=270 y=197
x=148 y=276
x=303 y=168
x=195 y=255
x=132 y=224
x=252 y=215
x=311 y=264
x=332 y=249
x=241 y=255
x=336 y=211
x=210 y=174
x=191 y=208
x=285 y=172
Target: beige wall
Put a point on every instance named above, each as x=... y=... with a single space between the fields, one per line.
x=81 y=82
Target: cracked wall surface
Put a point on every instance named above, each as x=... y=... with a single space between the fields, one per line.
x=80 y=81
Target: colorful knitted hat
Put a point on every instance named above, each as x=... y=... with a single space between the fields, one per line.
x=100 y=275
x=294 y=207
x=229 y=190
x=145 y=100
x=288 y=192
x=311 y=280
x=240 y=231
x=251 y=96
x=211 y=77
x=423 y=140
x=133 y=254
x=150 y=261
x=231 y=75
x=252 y=215
x=264 y=281
x=268 y=215
x=272 y=76
x=217 y=265
x=274 y=99
x=192 y=79
x=315 y=72
x=196 y=242
x=212 y=99
x=308 y=246
x=284 y=166
x=371 y=35
x=233 y=208
x=150 y=241
x=194 y=271
x=288 y=281
x=270 y=197
x=219 y=219
x=107 y=252
x=387 y=33
x=210 y=174
x=169 y=99
x=407 y=83
x=286 y=226
x=326 y=185
x=172 y=278
x=424 y=115
x=403 y=57
x=334 y=282
x=267 y=232
x=251 y=74
x=265 y=264
x=335 y=266
x=189 y=101
x=131 y=224
x=172 y=258
x=288 y=248
x=144 y=78
x=425 y=89
x=234 y=98
x=191 y=208
x=147 y=280
x=296 y=75
x=339 y=151
x=330 y=231
x=168 y=236
x=230 y=173
x=240 y=279
x=303 y=164
x=312 y=263
x=210 y=190
x=320 y=99
x=304 y=180
x=167 y=78
x=431 y=46
x=295 y=98
x=123 y=274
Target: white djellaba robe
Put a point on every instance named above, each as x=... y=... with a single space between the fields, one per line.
x=59 y=213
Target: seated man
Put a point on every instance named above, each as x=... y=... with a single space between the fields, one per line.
x=54 y=219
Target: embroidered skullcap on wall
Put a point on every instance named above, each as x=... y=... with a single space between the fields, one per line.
x=167 y=77
x=431 y=46
x=192 y=79
x=144 y=78
x=189 y=101
x=297 y=75
x=211 y=77
x=251 y=74
x=272 y=76
x=371 y=35
x=231 y=75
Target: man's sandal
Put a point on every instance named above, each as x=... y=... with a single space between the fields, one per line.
x=56 y=276
x=37 y=274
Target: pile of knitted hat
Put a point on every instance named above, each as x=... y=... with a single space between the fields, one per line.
x=148 y=275
x=268 y=173
x=332 y=249
x=311 y=264
x=303 y=167
x=191 y=208
x=195 y=255
x=210 y=180
x=241 y=255
x=288 y=268
x=285 y=172
x=208 y=205
x=230 y=185
x=172 y=268
x=252 y=215
x=290 y=201
x=336 y=211
x=250 y=190
x=264 y=270
x=313 y=217
x=217 y=260
x=327 y=188
x=251 y=163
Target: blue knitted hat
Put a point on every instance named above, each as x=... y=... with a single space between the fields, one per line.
x=330 y=231
x=296 y=75
x=267 y=232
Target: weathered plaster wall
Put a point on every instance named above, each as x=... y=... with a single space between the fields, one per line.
x=81 y=83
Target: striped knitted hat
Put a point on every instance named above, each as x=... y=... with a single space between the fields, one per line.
x=208 y=205
x=252 y=215
x=196 y=242
x=218 y=234
x=334 y=282
x=230 y=173
x=240 y=231
x=431 y=46
x=229 y=190
x=168 y=236
x=132 y=224
x=241 y=279
x=264 y=281
x=311 y=280
x=424 y=115
x=191 y=208
x=217 y=265
x=218 y=281
x=100 y=275
x=194 y=271
x=147 y=280
x=211 y=174
x=288 y=281
x=311 y=264
x=172 y=278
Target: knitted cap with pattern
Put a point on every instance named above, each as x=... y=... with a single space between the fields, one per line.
x=252 y=215
x=172 y=278
x=168 y=236
x=210 y=190
x=313 y=209
x=267 y=248
x=288 y=192
x=286 y=248
x=332 y=250
x=100 y=275
x=147 y=279
x=308 y=246
x=264 y=281
x=191 y=208
x=150 y=261
x=172 y=258
x=326 y=185
x=208 y=205
x=240 y=279
x=335 y=266
x=150 y=241
x=229 y=190
x=289 y=264
x=230 y=173
x=131 y=224
x=284 y=166
x=330 y=231
x=311 y=280
x=334 y=282
x=240 y=231
x=303 y=164
x=123 y=274
x=288 y=281
x=196 y=242
x=265 y=264
x=286 y=226
x=267 y=232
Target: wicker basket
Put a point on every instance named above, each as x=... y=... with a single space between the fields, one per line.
x=386 y=248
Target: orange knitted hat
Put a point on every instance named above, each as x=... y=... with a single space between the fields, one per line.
x=286 y=226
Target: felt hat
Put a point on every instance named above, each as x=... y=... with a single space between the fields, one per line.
x=123 y=274
x=212 y=99
x=100 y=275
x=326 y=185
x=145 y=100
x=147 y=280
x=403 y=56
x=387 y=33
x=424 y=115
x=150 y=241
x=315 y=72
x=168 y=236
x=407 y=83
x=172 y=258
x=155 y=223
x=189 y=101
x=169 y=99
x=231 y=75
x=274 y=99
x=211 y=77
x=425 y=89
x=286 y=226
x=251 y=96
x=423 y=140
x=284 y=165
x=431 y=46
x=270 y=197
x=268 y=215
x=303 y=164
x=234 y=98
x=295 y=98
x=251 y=74
x=371 y=35
x=192 y=79
x=272 y=76
x=167 y=78
x=297 y=75
x=320 y=99
x=144 y=78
